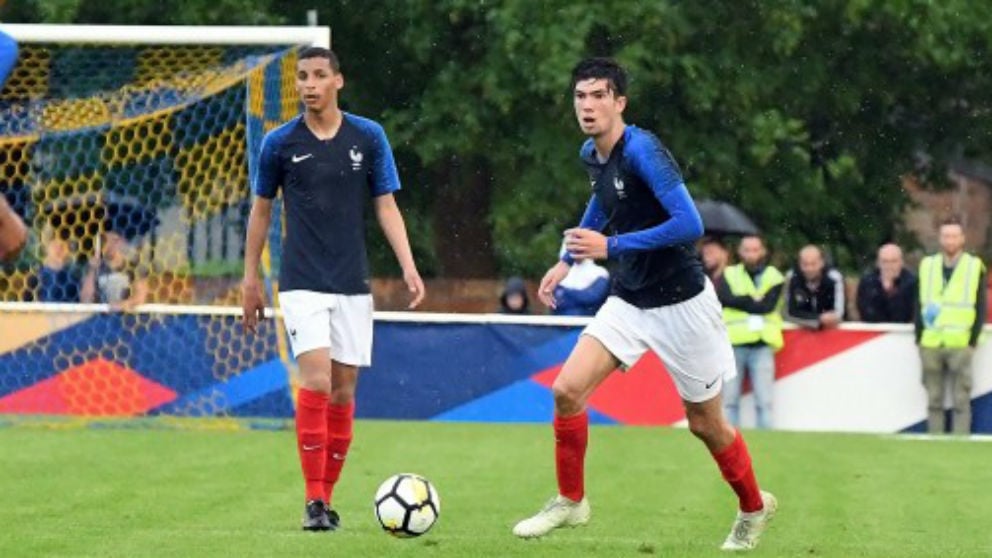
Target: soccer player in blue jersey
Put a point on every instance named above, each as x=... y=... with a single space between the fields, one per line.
x=327 y=163
x=642 y=218
x=13 y=233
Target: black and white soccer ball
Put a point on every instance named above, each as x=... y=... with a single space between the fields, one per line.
x=407 y=505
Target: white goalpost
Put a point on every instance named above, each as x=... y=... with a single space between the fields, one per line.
x=165 y=34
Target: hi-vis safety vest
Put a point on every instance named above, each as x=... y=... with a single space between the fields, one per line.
x=750 y=328
x=952 y=304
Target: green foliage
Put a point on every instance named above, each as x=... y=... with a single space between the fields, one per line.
x=807 y=115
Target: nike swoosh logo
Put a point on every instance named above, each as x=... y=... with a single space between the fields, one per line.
x=709 y=385
x=310 y=448
x=337 y=457
x=298 y=158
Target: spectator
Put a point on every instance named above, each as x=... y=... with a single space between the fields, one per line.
x=948 y=324
x=715 y=256
x=58 y=279
x=814 y=292
x=887 y=294
x=113 y=278
x=583 y=290
x=514 y=299
x=751 y=292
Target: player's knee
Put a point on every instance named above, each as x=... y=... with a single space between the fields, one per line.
x=316 y=382
x=342 y=395
x=568 y=399
x=703 y=426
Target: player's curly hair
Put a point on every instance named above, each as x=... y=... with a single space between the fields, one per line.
x=601 y=68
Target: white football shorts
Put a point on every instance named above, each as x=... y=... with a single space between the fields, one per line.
x=342 y=323
x=689 y=337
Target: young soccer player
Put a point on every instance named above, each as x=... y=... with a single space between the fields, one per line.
x=13 y=233
x=660 y=300
x=327 y=163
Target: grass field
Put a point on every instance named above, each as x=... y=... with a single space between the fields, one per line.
x=655 y=492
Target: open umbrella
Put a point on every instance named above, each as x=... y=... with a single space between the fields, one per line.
x=721 y=218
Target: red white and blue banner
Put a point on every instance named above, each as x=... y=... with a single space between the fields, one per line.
x=75 y=360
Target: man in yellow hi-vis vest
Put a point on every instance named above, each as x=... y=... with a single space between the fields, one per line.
x=751 y=293
x=948 y=325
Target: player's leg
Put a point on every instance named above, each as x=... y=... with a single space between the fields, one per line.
x=933 y=381
x=586 y=368
x=610 y=340
x=732 y=387
x=762 y=366
x=340 y=420
x=351 y=348
x=959 y=365
x=693 y=343
x=309 y=335
x=726 y=445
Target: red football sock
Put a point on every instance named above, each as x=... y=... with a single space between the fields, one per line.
x=571 y=439
x=735 y=464
x=311 y=439
x=339 y=421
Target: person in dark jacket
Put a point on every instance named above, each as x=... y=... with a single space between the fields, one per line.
x=887 y=294
x=814 y=292
x=514 y=299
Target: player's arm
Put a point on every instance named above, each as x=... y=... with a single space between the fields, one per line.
x=391 y=220
x=654 y=165
x=267 y=181
x=656 y=168
x=8 y=55
x=386 y=180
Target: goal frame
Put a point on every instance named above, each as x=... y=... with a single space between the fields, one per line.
x=169 y=34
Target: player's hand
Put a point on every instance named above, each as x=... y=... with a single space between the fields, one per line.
x=252 y=304
x=546 y=292
x=585 y=244
x=415 y=285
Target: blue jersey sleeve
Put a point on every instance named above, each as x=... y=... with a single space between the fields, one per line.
x=593 y=218
x=652 y=162
x=385 y=178
x=8 y=55
x=268 y=178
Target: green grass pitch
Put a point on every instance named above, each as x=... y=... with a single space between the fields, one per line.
x=654 y=492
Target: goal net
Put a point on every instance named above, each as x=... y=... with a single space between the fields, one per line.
x=132 y=156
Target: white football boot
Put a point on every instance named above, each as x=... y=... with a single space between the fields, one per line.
x=558 y=512
x=748 y=527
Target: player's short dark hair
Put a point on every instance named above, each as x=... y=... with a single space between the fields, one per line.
x=602 y=68
x=321 y=52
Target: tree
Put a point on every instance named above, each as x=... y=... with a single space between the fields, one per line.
x=805 y=115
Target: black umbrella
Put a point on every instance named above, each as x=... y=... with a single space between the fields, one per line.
x=123 y=215
x=721 y=218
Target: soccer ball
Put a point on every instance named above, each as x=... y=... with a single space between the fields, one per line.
x=407 y=505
